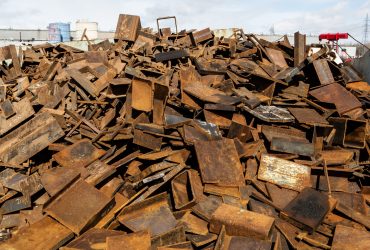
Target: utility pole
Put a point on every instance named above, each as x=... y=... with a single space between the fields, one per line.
x=366 y=28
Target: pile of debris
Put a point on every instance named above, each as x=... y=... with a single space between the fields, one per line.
x=183 y=141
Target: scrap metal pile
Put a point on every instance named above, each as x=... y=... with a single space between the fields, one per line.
x=183 y=140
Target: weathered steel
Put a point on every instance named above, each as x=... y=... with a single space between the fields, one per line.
x=349 y=133
x=153 y=214
x=128 y=27
x=171 y=55
x=187 y=189
x=219 y=162
x=200 y=36
x=284 y=173
x=350 y=238
x=22 y=110
x=307 y=210
x=134 y=241
x=142 y=95
x=323 y=71
x=241 y=222
x=37 y=236
x=299 y=48
x=79 y=206
x=334 y=93
x=79 y=154
x=307 y=116
x=29 y=139
x=292 y=146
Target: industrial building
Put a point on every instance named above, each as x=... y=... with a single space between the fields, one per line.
x=61 y=32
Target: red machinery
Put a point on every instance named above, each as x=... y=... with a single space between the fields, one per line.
x=333 y=37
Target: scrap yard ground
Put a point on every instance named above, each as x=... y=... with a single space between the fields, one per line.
x=183 y=140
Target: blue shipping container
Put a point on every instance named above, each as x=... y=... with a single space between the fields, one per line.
x=59 y=32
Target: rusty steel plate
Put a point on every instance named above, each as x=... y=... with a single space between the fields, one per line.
x=350 y=238
x=241 y=222
x=79 y=206
x=307 y=210
x=79 y=154
x=187 y=189
x=323 y=71
x=132 y=241
x=284 y=173
x=128 y=27
x=219 y=162
x=307 y=116
x=153 y=214
x=142 y=94
x=30 y=138
x=55 y=180
x=93 y=239
x=194 y=224
x=38 y=236
x=174 y=236
x=277 y=57
x=334 y=93
x=270 y=113
x=22 y=109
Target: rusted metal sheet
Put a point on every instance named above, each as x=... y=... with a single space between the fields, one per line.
x=147 y=140
x=142 y=95
x=194 y=224
x=80 y=154
x=307 y=210
x=270 y=132
x=277 y=57
x=153 y=214
x=29 y=139
x=171 y=55
x=87 y=85
x=208 y=94
x=292 y=146
x=133 y=241
x=214 y=66
x=93 y=239
x=171 y=237
x=299 y=48
x=79 y=206
x=223 y=167
x=128 y=27
x=241 y=222
x=270 y=113
x=334 y=93
x=206 y=207
x=201 y=36
x=159 y=103
x=323 y=71
x=40 y=233
x=55 y=180
x=307 y=116
x=98 y=171
x=284 y=173
x=6 y=107
x=350 y=238
x=201 y=240
x=281 y=197
x=349 y=133
x=22 y=110
x=187 y=189
x=15 y=204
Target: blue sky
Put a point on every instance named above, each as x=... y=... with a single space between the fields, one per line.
x=310 y=16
